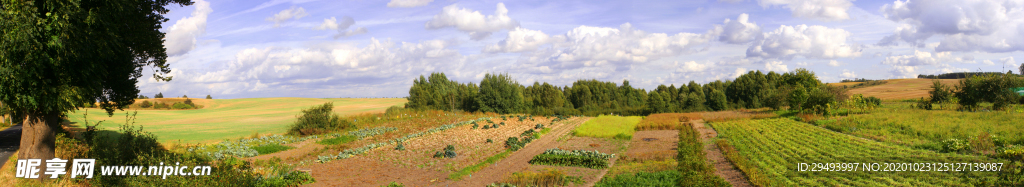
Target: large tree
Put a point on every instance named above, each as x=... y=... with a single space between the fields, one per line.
x=58 y=55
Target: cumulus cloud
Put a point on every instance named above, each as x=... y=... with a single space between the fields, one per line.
x=336 y=66
x=776 y=66
x=1008 y=62
x=988 y=62
x=285 y=15
x=815 y=41
x=906 y=66
x=477 y=25
x=847 y=74
x=827 y=10
x=408 y=3
x=691 y=66
x=833 y=63
x=990 y=26
x=181 y=37
x=520 y=40
x=592 y=46
x=740 y=31
x=342 y=27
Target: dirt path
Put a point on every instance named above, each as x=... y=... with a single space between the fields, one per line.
x=723 y=167
x=518 y=160
x=603 y=172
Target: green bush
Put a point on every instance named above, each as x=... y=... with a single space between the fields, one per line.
x=181 y=106
x=145 y=104
x=319 y=119
x=657 y=179
x=159 y=105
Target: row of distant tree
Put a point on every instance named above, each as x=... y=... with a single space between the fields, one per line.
x=962 y=75
x=500 y=93
x=161 y=95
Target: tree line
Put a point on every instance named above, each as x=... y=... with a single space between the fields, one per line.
x=500 y=93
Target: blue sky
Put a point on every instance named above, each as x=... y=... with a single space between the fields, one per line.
x=320 y=49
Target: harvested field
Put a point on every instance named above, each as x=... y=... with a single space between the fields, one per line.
x=898 y=89
x=652 y=145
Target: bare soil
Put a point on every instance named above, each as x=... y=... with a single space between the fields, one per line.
x=653 y=145
x=723 y=167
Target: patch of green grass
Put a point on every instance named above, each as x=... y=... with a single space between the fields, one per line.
x=221 y=119
x=608 y=127
x=666 y=178
x=476 y=167
x=895 y=123
x=271 y=148
x=338 y=140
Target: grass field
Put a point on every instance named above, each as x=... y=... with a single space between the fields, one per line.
x=904 y=125
x=222 y=119
x=776 y=146
x=898 y=89
x=618 y=127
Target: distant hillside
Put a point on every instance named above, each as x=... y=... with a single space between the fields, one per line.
x=902 y=88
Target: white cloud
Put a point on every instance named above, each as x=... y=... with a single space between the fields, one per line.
x=476 y=24
x=740 y=30
x=342 y=27
x=408 y=3
x=921 y=58
x=833 y=63
x=1008 y=62
x=988 y=62
x=285 y=15
x=847 y=74
x=691 y=67
x=990 y=26
x=776 y=66
x=827 y=10
x=333 y=24
x=815 y=41
x=594 y=46
x=520 y=40
x=181 y=37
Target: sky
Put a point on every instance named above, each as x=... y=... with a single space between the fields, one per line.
x=376 y=48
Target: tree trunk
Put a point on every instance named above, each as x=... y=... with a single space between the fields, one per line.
x=38 y=138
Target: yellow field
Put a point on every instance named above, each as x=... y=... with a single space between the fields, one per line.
x=221 y=119
x=897 y=89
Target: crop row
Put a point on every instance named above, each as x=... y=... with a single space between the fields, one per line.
x=348 y=153
x=366 y=132
x=576 y=158
x=774 y=147
x=244 y=147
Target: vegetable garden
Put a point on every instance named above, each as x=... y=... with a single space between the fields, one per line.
x=775 y=147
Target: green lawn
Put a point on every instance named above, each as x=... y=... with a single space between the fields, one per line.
x=608 y=127
x=221 y=119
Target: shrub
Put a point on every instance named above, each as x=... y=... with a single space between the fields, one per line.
x=400 y=147
x=490 y=141
x=145 y=104
x=159 y=105
x=181 y=106
x=208 y=97
x=661 y=178
x=448 y=152
x=954 y=145
x=319 y=119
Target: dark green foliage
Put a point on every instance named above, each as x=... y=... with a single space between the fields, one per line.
x=656 y=179
x=940 y=93
x=400 y=147
x=994 y=89
x=570 y=160
x=159 y=105
x=159 y=95
x=271 y=148
x=208 y=97
x=185 y=96
x=437 y=92
x=475 y=125
x=294 y=178
x=490 y=141
x=924 y=104
x=797 y=97
x=717 y=100
x=960 y=75
x=319 y=119
x=145 y=104
x=538 y=126
x=500 y=94
x=181 y=106
x=513 y=144
x=486 y=127
x=873 y=100
x=448 y=152
x=189 y=102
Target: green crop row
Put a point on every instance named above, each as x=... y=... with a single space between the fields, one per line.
x=576 y=158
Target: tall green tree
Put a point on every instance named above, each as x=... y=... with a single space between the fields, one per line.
x=58 y=55
x=500 y=94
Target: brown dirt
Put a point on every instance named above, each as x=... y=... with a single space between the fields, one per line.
x=723 y=167
x=653 y=145
x=518 y=161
